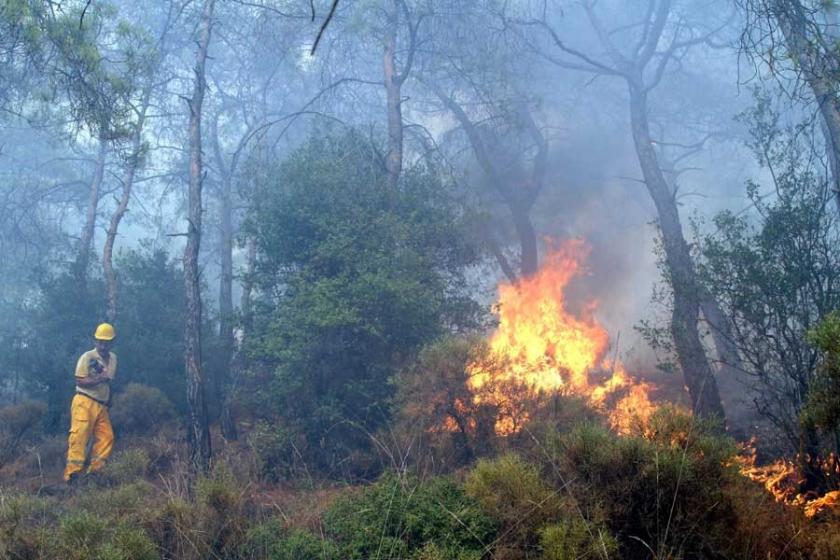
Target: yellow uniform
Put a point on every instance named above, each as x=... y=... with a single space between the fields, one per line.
x=89 y=415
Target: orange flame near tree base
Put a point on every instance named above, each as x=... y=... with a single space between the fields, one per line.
x=546 y=349
x=783 y=480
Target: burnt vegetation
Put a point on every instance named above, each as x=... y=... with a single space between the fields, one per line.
x=424 y=280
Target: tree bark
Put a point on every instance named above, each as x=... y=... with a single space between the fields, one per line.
x=528 y=255
x=248 y=285
x=199 y=432
x=89 y=228
x=818 y=69
x=122 y=206
x=694 y=363
x=228 y=426
x=519 y=201
x=393 y=85
x=226 y=313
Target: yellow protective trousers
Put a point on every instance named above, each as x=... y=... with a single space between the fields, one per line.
x=88 y=418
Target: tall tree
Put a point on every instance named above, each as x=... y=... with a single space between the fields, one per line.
x=394 y=78
x=518 y=193
x=89 y=225
x=133 y=161
x=480 y=89
x=657 y=46
x=803 y=32
x=199 y=432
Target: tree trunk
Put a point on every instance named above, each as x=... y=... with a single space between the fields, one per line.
x=393 y=84
x=228 y=426
x=737 y=395
x=813 y=478
x=519 y=203
x=528 y=262
x=199 y=432
x=226 y=326
x=128 y=183
x=818 y=69
x=248 y=286
x=697 y=373
x=89 y=228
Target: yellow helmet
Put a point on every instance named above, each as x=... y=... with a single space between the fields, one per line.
x=105 y=331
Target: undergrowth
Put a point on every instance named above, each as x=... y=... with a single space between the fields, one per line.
x=569 y=490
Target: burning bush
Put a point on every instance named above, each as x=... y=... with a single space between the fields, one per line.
x=434 y=403
x=544 y=347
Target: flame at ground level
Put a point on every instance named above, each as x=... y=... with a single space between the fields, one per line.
x=783 y=479
x=544 y=348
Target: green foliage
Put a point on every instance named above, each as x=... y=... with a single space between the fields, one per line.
x=576 y=539
x=219 y=490
x=150 y=326
x=397 y=517
x=354 y=279
x=433 y=551
x=273 y=448
x=84 y=536
x=19 y=517
x=126 y=502
x=139 y=409
x=776 y=273
x=129 y=543
x=512 y=492
x=822 y=408
x=128 y=465
x=272 y=541
x=665 y=487
x=57 y=327
x=432 y=392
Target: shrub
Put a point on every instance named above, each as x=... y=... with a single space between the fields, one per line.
x=273 y=448
x=435 y=405
x=513 y=494
x=127 y=466
x=432 y=551
x=133 y=503
x=82 y=534
x=221 y=509
x=576 y=539
x=19 y=423
x=271 y=541
x=47 y=456
x=129 y=543
x=85 y=536
x=397 y=517
x=21 y=517
x=664 y=488
x=141 y=410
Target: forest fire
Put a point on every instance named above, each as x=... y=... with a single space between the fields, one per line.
x=783 y=479
x=543 y=348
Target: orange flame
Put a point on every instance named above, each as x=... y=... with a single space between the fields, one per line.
x=547 y=349
x=783 y=480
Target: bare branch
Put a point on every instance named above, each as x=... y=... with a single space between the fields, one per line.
x=323 y=28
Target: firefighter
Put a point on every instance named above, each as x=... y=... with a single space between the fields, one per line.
x=89 y=410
